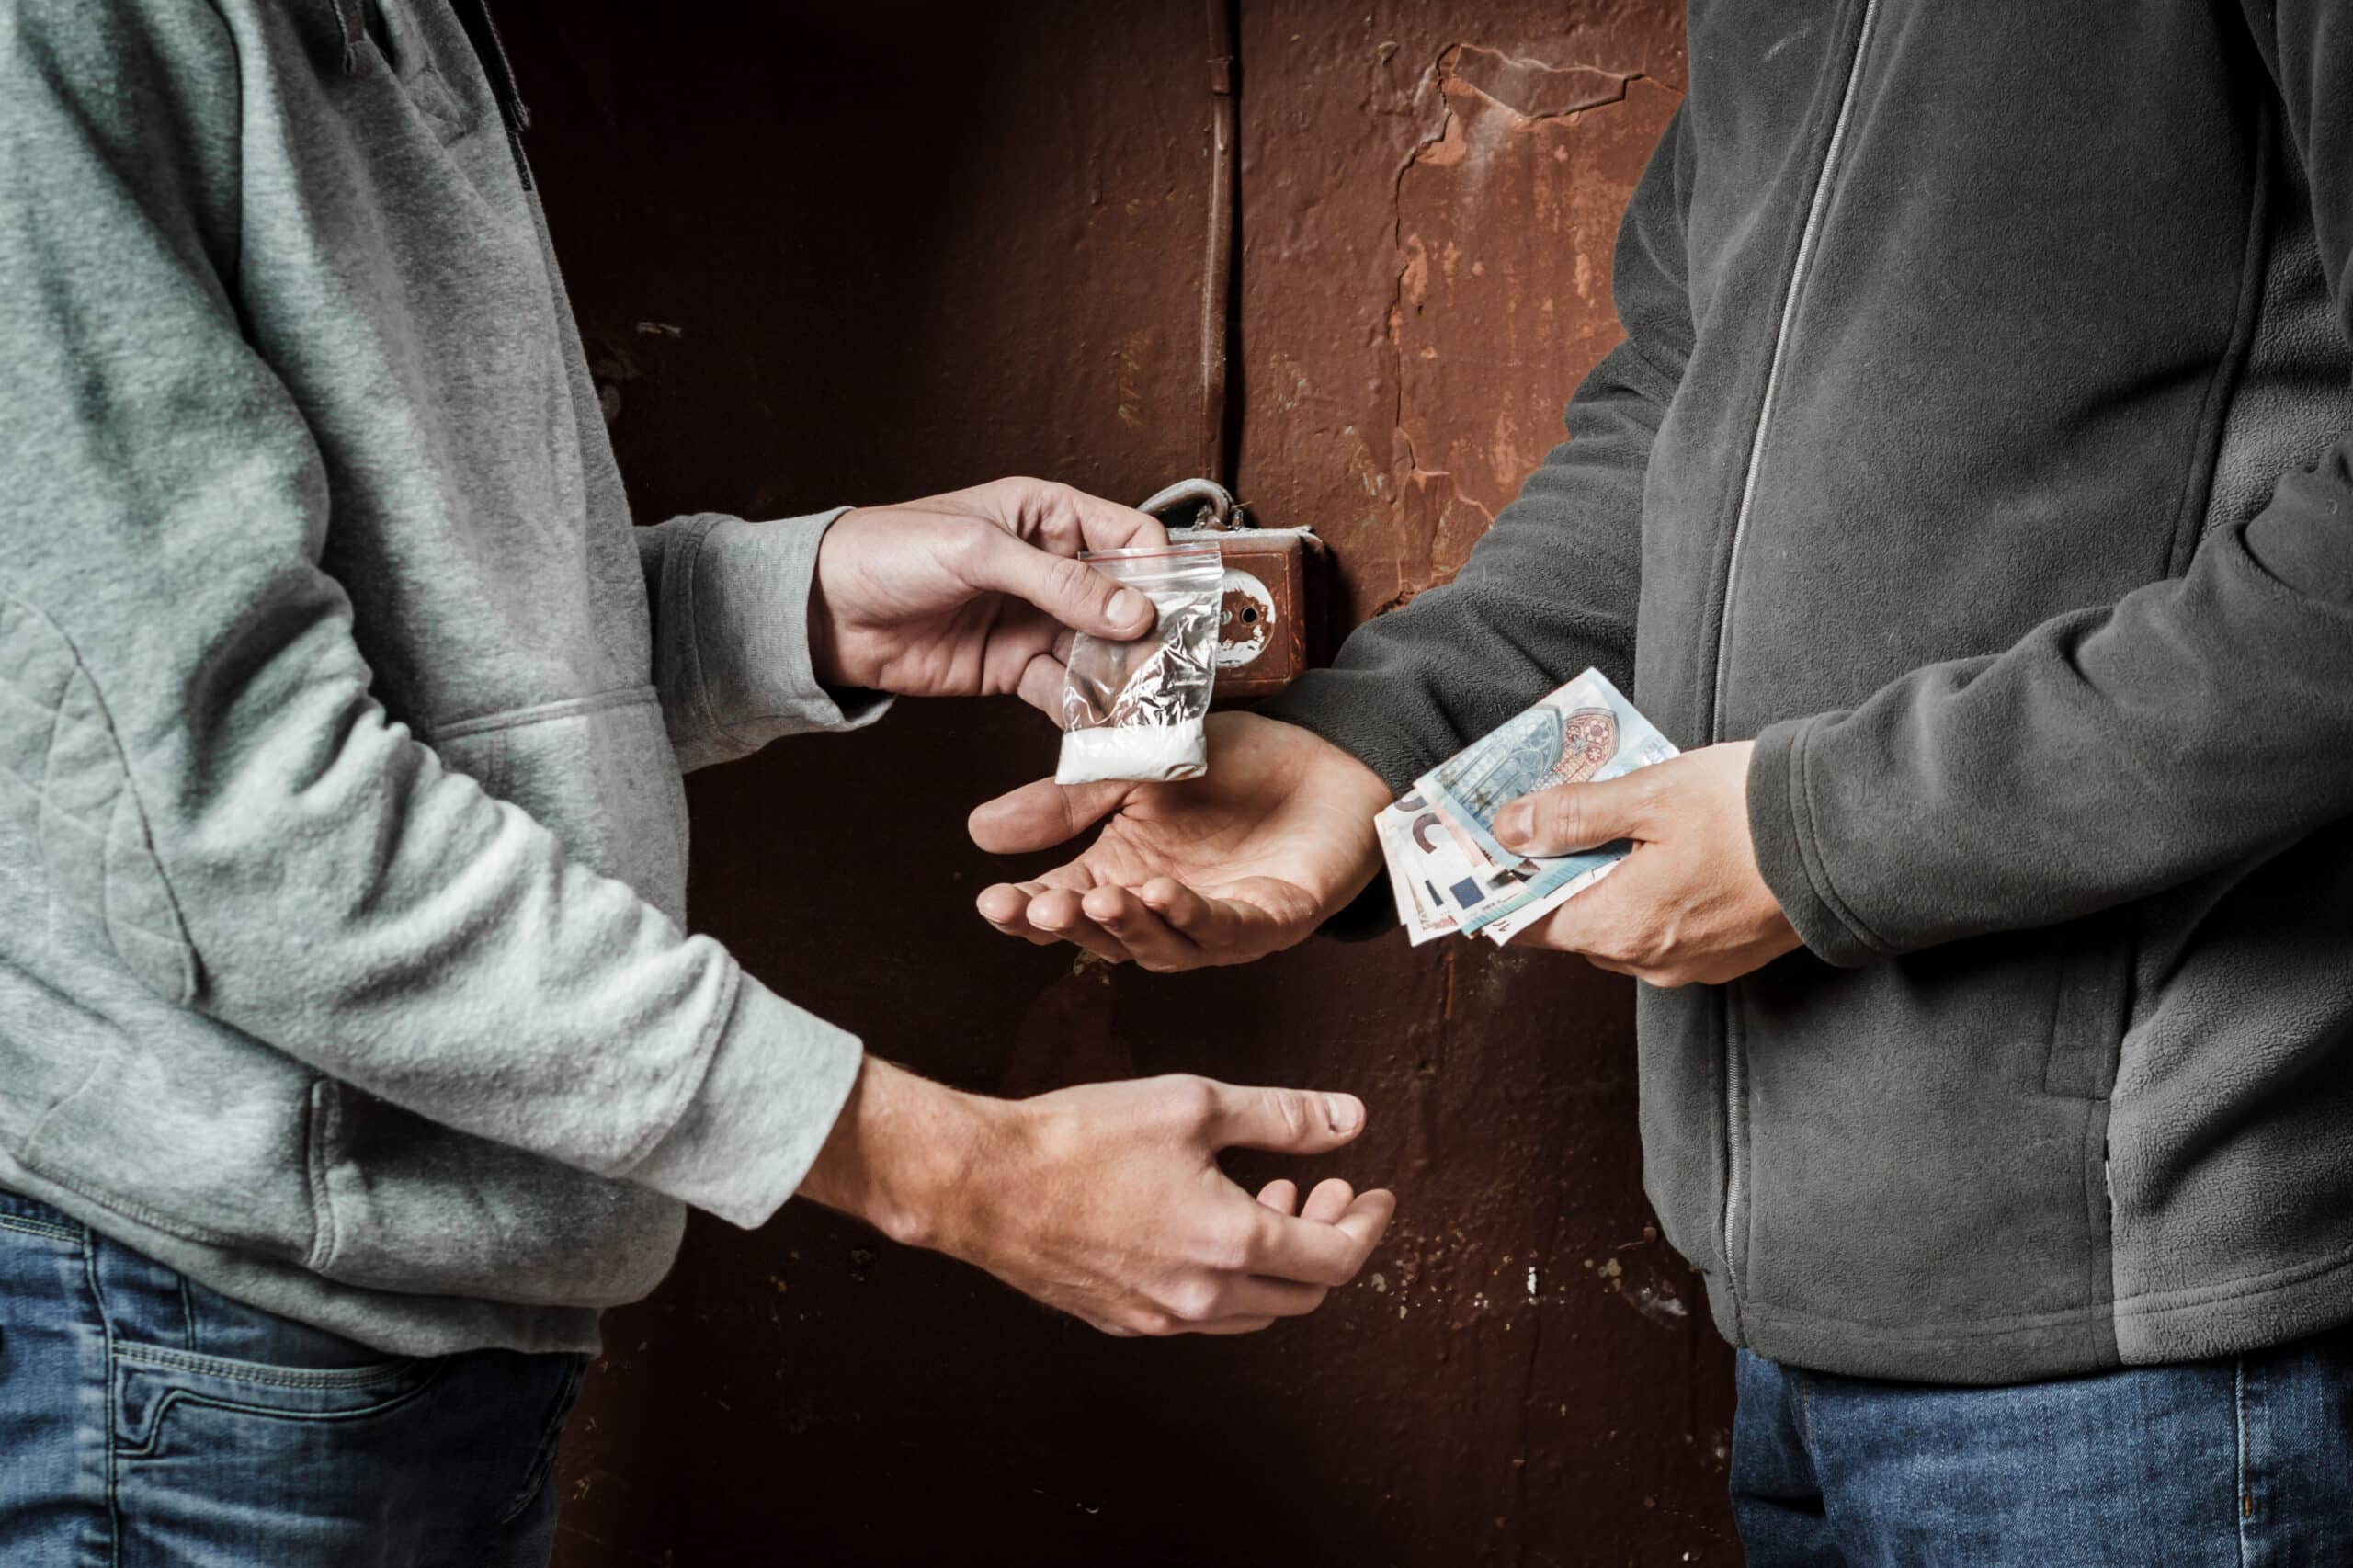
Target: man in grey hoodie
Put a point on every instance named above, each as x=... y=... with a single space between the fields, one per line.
x=352 y=1053
x=1972 y=498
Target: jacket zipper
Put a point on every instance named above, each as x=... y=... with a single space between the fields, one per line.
x=1736 y=1069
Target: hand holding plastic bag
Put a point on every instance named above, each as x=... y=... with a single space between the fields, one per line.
x=1138 y=710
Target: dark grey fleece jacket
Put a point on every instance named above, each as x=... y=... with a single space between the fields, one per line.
x=1978 y=446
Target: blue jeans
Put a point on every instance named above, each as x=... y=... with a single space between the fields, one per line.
x=146 y=1421
x=2244 y=1462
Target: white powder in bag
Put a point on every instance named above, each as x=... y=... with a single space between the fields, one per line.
x=1159 y=754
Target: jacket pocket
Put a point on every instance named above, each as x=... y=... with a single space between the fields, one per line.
x=2091 y=1004
x=1907 y=1171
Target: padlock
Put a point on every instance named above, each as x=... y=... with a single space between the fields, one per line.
x=1268 y=631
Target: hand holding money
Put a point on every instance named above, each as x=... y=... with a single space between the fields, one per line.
x=1529 y=820
x=1449 y=870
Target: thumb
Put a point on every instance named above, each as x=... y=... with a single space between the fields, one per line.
x=1290 y=1121
x=1042 y=814
x=1065 y=587
x=1575 y=816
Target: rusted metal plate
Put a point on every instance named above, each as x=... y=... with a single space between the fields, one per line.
x=836 y=253
x=1270 y=621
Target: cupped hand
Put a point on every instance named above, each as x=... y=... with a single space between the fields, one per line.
x=972 y=593
x=1220 y=870
x=1107 y=1202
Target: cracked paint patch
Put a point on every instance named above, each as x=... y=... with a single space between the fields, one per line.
x=1534 y=89
x=1506 y=202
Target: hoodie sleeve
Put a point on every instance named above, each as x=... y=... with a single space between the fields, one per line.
x=2116 y=752
x=1553 y=587
x=194 y=730
x=730 y=635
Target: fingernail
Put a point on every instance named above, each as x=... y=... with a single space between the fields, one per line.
x=1511 y=825
x=1126 y=607
x=1347 y=1114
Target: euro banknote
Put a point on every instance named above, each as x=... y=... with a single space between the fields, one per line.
x=1446 y=866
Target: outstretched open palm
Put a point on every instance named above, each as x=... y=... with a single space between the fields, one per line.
x=1220 y=870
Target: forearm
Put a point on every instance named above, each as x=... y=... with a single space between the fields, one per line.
x=733 y=635
x=2107 y=756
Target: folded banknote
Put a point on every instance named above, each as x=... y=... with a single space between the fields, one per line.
x=1447 y=869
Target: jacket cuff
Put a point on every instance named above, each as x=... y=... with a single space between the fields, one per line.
x=745 y=633
x=1780 y=826
x=1318 y=702
x=1330 y=704
x=777 y=1081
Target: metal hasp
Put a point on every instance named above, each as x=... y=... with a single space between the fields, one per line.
x=1269 y=630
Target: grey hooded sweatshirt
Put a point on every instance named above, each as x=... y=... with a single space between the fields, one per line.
x=342 y=709
x=1978 y=447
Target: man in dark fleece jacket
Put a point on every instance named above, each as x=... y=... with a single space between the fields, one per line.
x=1970 y=499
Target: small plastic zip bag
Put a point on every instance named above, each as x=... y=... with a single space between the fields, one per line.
x=1138 y=710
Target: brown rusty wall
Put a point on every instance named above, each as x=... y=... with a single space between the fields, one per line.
x=828 y=253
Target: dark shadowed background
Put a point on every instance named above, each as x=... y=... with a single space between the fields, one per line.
x=845 y=252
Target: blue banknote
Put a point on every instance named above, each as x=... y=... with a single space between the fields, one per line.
x=1584 y=731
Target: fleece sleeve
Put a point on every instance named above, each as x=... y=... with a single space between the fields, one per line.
x=1553 y=587
x=730 y=635
x=330 y=887
x=2121 y=750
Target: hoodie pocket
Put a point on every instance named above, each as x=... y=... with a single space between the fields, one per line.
x=597 y=771
x=408 y=1205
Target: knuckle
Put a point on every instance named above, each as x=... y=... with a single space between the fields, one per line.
x=1192 y=1301
x=1192 y=1099
x=1071 y=579
x=1153 y=1324
x=1230 y=1245
x=1285 y=1106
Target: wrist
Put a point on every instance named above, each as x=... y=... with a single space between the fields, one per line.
x=824 y=646
x=901 y=1154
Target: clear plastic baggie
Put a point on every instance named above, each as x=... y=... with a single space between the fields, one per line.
x=1139 y=710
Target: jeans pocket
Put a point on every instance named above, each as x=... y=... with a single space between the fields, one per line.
x=179 y=1350
x=156 y=1387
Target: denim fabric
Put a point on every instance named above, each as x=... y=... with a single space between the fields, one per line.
x=146 y=1421
x=2240 y=1462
